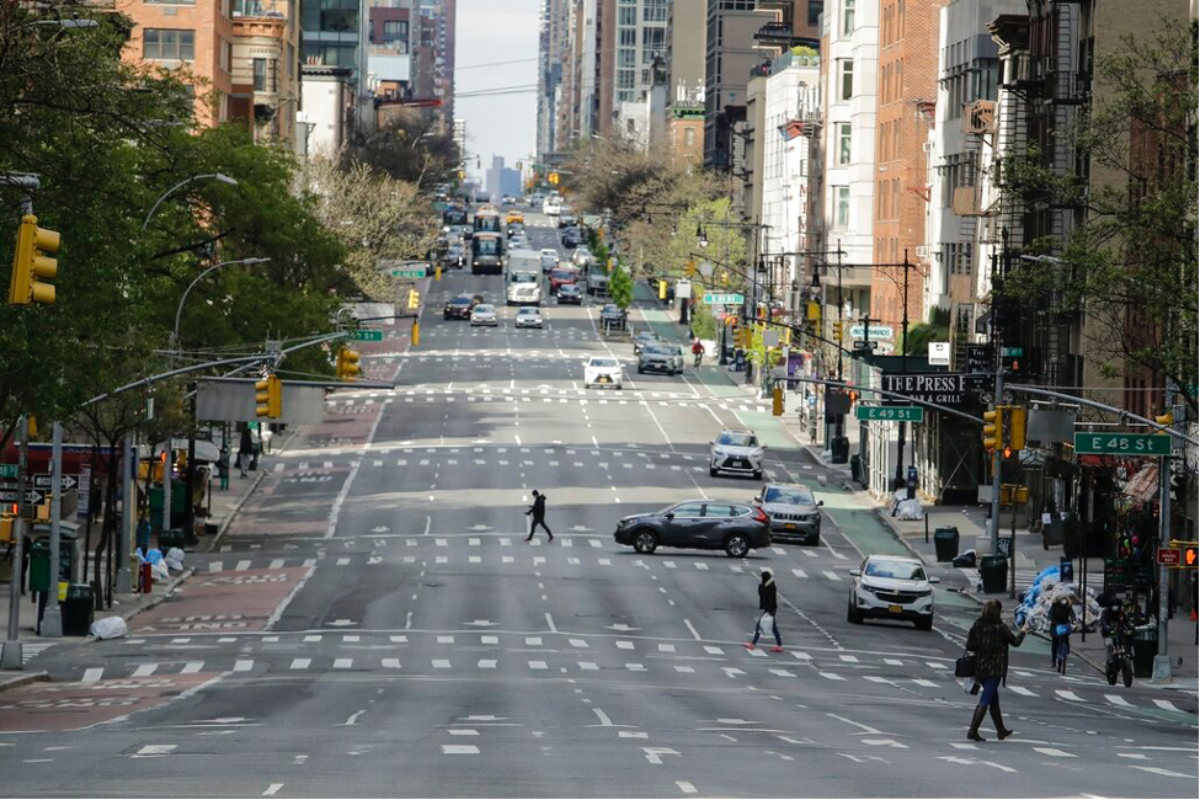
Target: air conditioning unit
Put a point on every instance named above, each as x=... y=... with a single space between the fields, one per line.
x=927 y=147
x=922 y=251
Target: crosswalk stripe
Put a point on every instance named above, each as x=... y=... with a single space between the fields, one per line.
x=242 y=566
x=588 y=665
x=276 y=564
x=700 y=565
x=783 y=673
x=1117 y=700
x=1021 y=690
x=312 y=638
x=1165 y=705
x=799 y=573
x=833 y=676
x=635 y=667
x=391 y=663
x=1053 y=752
x=895 y=662
x=849 y=659
x=92 y=675
x=487 y=663
x=833 y=576
x=922 y=682
x=684 y=668
x=216 y=566
x=1068 y=695
x=342 y=663
x=441 y=663
x=622 y=644
x=145 y=670
x=301 y=663
x=537 y=665
x=713 y=650
x=243 y=666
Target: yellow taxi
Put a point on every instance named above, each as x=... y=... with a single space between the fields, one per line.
x=514 y=216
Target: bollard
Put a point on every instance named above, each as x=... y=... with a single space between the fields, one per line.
x=437 y=273
x=416 y=333
x=926 y=527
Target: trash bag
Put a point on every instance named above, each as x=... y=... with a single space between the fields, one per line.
x=159 y=571
x=909 y=509
x=154 y=555
x=174 y=558
x=109 y=628
x=965 y=559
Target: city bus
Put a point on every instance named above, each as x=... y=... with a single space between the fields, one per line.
x=487 y=253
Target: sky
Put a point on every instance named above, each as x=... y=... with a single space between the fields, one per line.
x=491 y=31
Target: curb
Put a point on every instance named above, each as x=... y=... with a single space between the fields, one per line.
x=23 y=680
x=236 y=508
x=172 y=585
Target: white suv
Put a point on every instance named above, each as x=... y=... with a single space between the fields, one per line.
x=602 y=371
x=736 y=451
x=891 y=587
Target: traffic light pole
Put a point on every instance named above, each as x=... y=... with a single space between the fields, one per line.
x=51 y=624
x=1162 y=661
x=11 y=656
x=997 y=456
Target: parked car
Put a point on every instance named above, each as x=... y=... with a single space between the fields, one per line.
x=665 y=358
x=529 y=317
x=736 y=451
x=795 y=514
x=602 y=372
x=891 y=587
x=460 y=307
x=736 y=528
x=570 y=293
x=485 y=314
x=642 y=339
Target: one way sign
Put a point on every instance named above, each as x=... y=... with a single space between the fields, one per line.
x=42 y=480
x=31 y=496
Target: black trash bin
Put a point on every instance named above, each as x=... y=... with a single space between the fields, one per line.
x=839 y=450
x=1145 y=648
x=78 y=610
x=856 y=468
x=993 y=571
x=945 y=541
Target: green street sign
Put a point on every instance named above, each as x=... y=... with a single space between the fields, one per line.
x=367 y=336
x=723 y=299
x=1130 y=444
x=408 y=273
x=891 y=413
x=8 y=470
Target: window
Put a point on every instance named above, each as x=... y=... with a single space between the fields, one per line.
x=626 y=57
x=627 y=37
x=815 y=8
x=842 y=210
x=846 y=75
x=193 y=2
x=260 y=74
x=654 y=40
x=168 y=44
x=843 y=143
x=654 y=10
x=627 y=16
x=689 y=137
x=626 y=78
x=847 y=17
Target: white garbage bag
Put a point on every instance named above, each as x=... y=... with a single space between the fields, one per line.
x=909 y=509
x=174 y=558
x=160 y=572
x=109 y=628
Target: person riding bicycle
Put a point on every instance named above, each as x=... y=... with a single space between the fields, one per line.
x=1113 y=623
x=698 y=351
x=1062 y=616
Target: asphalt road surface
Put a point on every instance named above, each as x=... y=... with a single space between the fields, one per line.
x=373 y=624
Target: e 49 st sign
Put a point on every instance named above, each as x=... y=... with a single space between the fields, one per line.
x=942 y=388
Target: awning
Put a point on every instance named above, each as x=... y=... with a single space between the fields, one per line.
x=1144 y=486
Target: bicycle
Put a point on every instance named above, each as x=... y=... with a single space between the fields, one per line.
x=1061 y=647
x=1120 y=660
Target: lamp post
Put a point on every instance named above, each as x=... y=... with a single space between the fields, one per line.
x=216 y=176
x=192 y=285
x=702 y=240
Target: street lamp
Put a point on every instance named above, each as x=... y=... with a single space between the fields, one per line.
x=701 y=238
x=217 y=176
x=200 y=277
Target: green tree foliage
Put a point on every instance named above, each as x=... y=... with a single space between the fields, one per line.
x=1131 y=268
x=937 y=329
x=620 y=286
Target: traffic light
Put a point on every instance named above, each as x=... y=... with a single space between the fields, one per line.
x=1016 y=428
x=414 y=299
x=690 y=269
x=30 y=262
x=837 y=331
x=724 y=278
x=553 y=178
x=1166 y=420
x=347 y=364
x=1188 y=556
x=268 y=397
x=993 y=431
x=777 y=401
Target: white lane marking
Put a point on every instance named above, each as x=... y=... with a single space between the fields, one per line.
x=833 y=676
x=833 y=576
x=783 y=673
x=635 y=667
x=391 y=663
x=487 y=663
x=145 y=670
x=849 y=659
x=693 y=630
x=578 y=643
x=654 y=754
x=460 y=750
x=154 y=750
x=623 y=644
x=550 y=622
x=700 y=565
x=276 y=563
x=799 y=573
x=1053 y=752
x=666 y=648
x=895 y=662
x=274 y=787
x=1117 y=700
x=243 y=666
x=537 y=665
x=1166 y=773
x=1021 y=690
x=313 y=638
x=301 y=663
x=216 y=566
x=713 y=650
x=686 y=787
x=462 y=731
x=588 y=665
x=535 y=641
x=343 y=663
x=925 y=683
x=1165 y=705
x=353 y=718
x=336 y=509
x=92 y=675
x=242 y=566
x=343 y=561
x=441 y=663
x=1068 y=695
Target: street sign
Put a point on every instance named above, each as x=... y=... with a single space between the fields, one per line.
x=891 y=413
x=1168 y=556
x=1135 y=444
x=943 y=388
x=42 y=480
x=408 y=273
x=979 y=359
x=366 y=336
x=8 y=470
x=874 y=332
x=723 y=299
x=939 y=354
x=31 y=496
x=862 y=344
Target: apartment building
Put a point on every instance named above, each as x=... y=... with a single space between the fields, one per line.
x=194 y=37
x=553 y=62
x=686 y=30
x=265 y=91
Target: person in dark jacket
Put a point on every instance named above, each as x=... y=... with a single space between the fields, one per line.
x=538 y=512
x=1062 y=618
x=768 y=603
x=989 y=639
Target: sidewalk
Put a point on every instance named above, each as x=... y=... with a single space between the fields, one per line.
x=225 y=505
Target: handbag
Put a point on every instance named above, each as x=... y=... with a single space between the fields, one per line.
x=766 y=622
x=1062 y=629
x=964 y=666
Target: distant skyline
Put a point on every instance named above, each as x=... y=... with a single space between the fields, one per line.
x=491 y=31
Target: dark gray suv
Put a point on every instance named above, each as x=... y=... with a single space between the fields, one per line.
x=795 y=514
x=736 y=528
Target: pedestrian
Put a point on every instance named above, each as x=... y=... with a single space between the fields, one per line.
x=266 y=434
x=989 y=639
x=245 y=452
x=223 y=467
x=538 y=512
x=768 y=603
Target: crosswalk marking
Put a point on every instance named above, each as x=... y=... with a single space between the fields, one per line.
x=487 y=663
x=216 y=566
x=301 y=663
x=1068 y=695
x=145 y=670
x=343 y=561
x=922 y=682
x=684 y=668
x=666 y=648
x=833 y=676
x=243 y=666
x=849 y=659
x=533 y=641
x=538 y=665
x=1165 y=705
x=242 y=566
x=391 y=663
x=833 y=576
x=623 y=644
x=588 y=665
x=578 y=643
x=489 y=640
x=713 y=650
x=441 y=663
x=783 y=673
x=1053 y=752
x=343 y=663
x=1021 y=690
x=276 y=564
x=700 y=565
x=895 y=662
x=799 y=573
x=635 y=667
x=1117 y=700
x=92 y=675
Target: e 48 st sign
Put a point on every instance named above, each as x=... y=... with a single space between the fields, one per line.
x=1133 y=444
x=942 y=388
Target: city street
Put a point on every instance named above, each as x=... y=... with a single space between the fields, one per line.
x=374 y=624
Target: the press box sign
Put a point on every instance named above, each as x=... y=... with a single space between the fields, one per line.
x=943 y=388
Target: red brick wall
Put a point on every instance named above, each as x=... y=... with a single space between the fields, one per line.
x=908 y=61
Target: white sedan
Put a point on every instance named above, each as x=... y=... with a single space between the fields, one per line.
x=602 y=371
x=891 y=587
x=529 y=317
x=484 y=314
x=549 y=259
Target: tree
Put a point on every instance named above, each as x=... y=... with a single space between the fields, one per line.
x=937 y=329
x=620 y=286
x=407 y=146
x=1131 y=267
